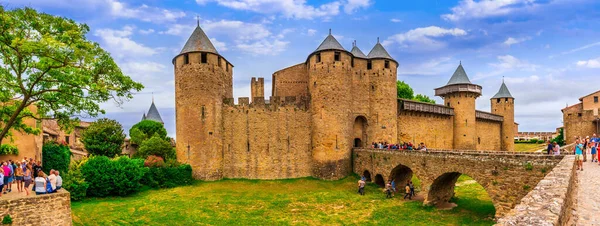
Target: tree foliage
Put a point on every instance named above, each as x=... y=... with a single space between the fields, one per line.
x=424 y=98
x=146 y=129
x=560 y=139
x=103 y=137
x=404 y=91
x=156 y=146
x=48 y=62
x=56 y=156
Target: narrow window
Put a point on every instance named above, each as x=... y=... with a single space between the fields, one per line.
x=595 y=99
x=498 y=100
x=336 y=56
x=478 y=140
x=352 y=62
x=318 y=57
x=67 y=139
x=226 y=67
x=369 y=66
x=506 y=100
x=202 y=111
x=387 y=64
x=203 y=58
x=219 y=61
x=579 y=114
x=448 y=104
x=186 y=59
x=373 y=87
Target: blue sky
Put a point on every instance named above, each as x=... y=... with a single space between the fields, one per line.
x=547 y=50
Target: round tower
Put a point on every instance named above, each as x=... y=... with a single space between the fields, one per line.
x=382 y=69
x=503 y=103
x=329 y=73
x=203 y=79
x=460 y=94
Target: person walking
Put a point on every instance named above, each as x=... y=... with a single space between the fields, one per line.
x=550 y=149
x=407 y=190
x=412 y=189
x=556 y=148
x=27 y=178
x=19 y=177
x=579 y=155
x=1 y=180
x=361 y=187
x=7 y=173
x=388 y=189
x=585 y=143
x=394 y=186
x=594 y=140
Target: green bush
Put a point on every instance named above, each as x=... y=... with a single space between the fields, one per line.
x=7 y=149
x=103 y=137
x=120 y=176
x=7 y=219
x=145 y=130
x=56 y=156
x=168 y=176
x=156 y=146
x=74 y=181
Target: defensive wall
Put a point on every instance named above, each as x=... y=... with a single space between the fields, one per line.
x=52 y=209
x=506 y=176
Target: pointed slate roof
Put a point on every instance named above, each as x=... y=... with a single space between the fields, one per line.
x=198 y=41
x=459 y=76
x=379 y=52
x=503 y=92
x=330 y=43
x=356 y=52
x=153 y=114
x=144 y=117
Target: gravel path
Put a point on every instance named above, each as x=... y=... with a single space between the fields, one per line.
x=587 y=203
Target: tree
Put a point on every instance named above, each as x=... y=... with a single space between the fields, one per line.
x=404 y=90
x=424 y=98
x=156 y=146
x=147 y=129
x=103 y=137
x=46 y=61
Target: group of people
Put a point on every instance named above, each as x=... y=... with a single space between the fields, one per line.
x=584 y=147
x=25 y=173
x=401 y=146
x=553 y=148
x=390 y=188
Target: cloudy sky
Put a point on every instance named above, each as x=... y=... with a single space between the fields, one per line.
x=547 y=50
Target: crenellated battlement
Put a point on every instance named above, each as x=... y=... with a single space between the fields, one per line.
x=272 y=104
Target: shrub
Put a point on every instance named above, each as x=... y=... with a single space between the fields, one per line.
x=156 y=146
x=120 y=176
x=526 y=187
x=168 y=176
x=7 y=149
x=145 y=130
x=528 y=166
x=154 y=161
x=56 y=156
x=74 y=181
x=7 y=219
x=103 y=137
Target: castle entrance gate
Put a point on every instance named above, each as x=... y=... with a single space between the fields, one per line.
x=360 y=131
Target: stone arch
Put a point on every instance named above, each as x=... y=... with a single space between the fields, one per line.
x=359 y=133
x=367 y=176
x=379 y=180
x=401 y=174
x=442 y=190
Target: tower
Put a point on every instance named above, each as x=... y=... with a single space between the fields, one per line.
x=503 y=103
x=329 y=73
x=384 y=101
x=460 y=94
x=203 y=78
x=257 y=88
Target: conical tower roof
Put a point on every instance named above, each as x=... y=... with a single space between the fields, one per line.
x=459 y=76
x=198 y=41
x=379 y=52
x=330 y=43
x=144 y=116
x=153 y=114
x=356 y=52
x=503 y=92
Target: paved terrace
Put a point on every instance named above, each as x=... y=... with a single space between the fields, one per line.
x=506 y=176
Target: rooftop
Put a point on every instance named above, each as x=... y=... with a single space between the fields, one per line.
x=199 y=42
x=503 y=92
x=459 y=76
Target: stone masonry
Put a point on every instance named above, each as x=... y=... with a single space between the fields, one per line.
x=53 y=209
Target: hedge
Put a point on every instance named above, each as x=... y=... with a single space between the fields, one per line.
x=168 y=176
x=119 y=177
x=56 y=156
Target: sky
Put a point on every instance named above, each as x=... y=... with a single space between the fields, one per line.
x=547 y=51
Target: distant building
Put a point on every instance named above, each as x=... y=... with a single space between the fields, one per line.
x=153 y=114
x=52 y=131
x=582 y=119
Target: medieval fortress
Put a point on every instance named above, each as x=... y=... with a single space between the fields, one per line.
x=319 y=110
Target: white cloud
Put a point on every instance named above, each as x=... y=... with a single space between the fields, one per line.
x=143 y=12
x=145 y=32
x=508 y=62
x=471 y=9
x=511 y=41
x=394 y=20
x=220 y=46
x=424 y=37
x=311 y=32
x=236 y=29
x=352 y=5
x=119 y=43
x=263 y=47
x=434 y=66
x=592 y=63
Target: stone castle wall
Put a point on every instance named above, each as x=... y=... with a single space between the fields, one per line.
x=291 y=81
x=488 y=135
x=578 y=122
x=266 y=142
x=51 y=209
x=29 y=145
x=464 y=125
x=435 y=130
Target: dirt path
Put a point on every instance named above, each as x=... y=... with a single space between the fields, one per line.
x=587 y=203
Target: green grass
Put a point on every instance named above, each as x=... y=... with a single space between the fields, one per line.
x=303 y=201
x=523 y=147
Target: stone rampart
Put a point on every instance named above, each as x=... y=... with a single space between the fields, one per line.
x=53 y=209
x=549 y=202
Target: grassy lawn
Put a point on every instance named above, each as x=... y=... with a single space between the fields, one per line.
x=529 y=147
x=303 y=201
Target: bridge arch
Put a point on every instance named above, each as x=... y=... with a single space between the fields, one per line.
x=442 y=190
x=359 y=133
x=401 y=174
x=367 y=176
x=379 y=180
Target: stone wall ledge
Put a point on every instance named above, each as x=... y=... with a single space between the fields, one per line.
x=49 y=209
x=549 y=202
x=529 y=155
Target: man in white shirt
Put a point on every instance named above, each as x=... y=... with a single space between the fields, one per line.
x=52 y=179
x=58 y=180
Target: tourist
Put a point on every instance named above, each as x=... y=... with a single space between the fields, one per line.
x=407 y=190
x=388 y=189
x=422 y=147
x=27 y=178
x=52 y=179
x=585 y=144
x=412 y=189
x=550 y=149
x=362 y=177
x=7 y=173
x=40 y=183
x=579 y=155
x=595 y=141
x=361 y=187
x=556 y=148
x=588 y=149
x=394 y=186
x=19 y=177
x=11 y=178
x=1 y=180
x=37 y=166
x=58 y=180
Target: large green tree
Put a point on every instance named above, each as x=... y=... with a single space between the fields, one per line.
x=404 y=91
x=103 y=137
x=146 y=129
x=47 y=61
x=156 y=146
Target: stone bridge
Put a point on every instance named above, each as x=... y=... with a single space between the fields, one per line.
x=506 y=176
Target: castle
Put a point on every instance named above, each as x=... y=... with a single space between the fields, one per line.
x=319 y=110
x=582 y=119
